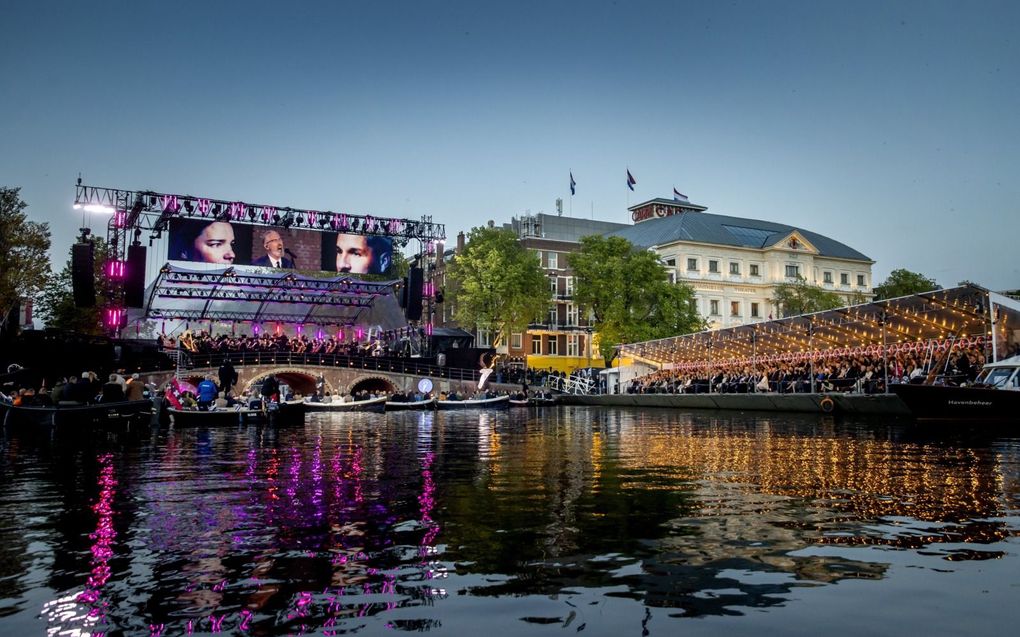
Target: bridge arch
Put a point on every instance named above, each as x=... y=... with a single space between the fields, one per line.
x=372 y=383
x=302 y=381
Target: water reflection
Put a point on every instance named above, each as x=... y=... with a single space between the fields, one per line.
x=423 y=521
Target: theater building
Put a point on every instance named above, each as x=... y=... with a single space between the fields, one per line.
x=735 y=263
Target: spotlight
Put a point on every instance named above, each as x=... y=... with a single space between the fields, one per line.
x=189 y=206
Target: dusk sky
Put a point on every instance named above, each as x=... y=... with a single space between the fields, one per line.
x=890 y=126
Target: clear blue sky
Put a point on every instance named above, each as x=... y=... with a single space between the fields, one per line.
x=892 y=126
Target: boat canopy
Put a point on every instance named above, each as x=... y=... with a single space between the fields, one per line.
x=258 y=295
x=922 y=323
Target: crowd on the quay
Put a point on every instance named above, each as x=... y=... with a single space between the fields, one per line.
x=85 y=389
x=857 y=373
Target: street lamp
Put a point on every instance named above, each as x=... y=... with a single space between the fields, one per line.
x=587 y=342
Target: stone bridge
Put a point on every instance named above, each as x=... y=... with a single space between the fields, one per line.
x=339 y=380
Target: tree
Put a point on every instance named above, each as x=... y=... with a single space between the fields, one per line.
x=801 y=297
x=628 y=292
x=56 y=303
x=496 y=284
x=904 y=283
x=24 y=264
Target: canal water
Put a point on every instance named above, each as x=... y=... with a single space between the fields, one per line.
x=570 y=520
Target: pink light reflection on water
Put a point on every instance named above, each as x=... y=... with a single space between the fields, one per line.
x=103 y=538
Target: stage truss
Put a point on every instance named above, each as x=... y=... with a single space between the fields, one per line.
x=237 y=294
x=137 y=212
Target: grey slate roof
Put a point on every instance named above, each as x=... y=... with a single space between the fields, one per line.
x=703 y=227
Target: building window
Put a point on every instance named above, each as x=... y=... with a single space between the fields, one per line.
x=554 y=261
x=713 y=266
x=827 y=277
x=792 y=271
x=516 y=340
x=570 y=286
x=734 y=308
x=536 y=345
x=754 y=270
x=552 y=285
x=671 y=263
x=572 y=347
x=754 y=310
x=483 y=338
x=552 y=345
x=844 y=278
x=552 y=316
x=713 y=308
x=571 y=314
x=734 y=267
x=692 y=265
x=860 y=280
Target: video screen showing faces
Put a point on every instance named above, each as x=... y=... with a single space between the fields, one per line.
x=225 y=243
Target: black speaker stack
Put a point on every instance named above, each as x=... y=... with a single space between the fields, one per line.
x=134 y=278
x=412 y=309
x=83 y=281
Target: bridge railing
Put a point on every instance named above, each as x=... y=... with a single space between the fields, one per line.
x=409 y=366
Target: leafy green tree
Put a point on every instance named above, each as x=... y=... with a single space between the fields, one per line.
x=801 y=297
x=24 y=264
x=904 y=283
x=56 y=303
x=628 y=292
x=496 y=284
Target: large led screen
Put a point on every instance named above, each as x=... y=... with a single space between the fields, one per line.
x=222 y=242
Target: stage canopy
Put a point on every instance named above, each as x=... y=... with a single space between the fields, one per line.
x=270 y=296
x=928 y=322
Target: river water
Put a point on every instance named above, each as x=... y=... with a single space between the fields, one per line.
x=580 y=520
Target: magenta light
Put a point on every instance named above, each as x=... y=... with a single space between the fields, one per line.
x=319 y=335
x=237 y=210
x=170 y=203
x=428 y=329
x=339 y=335
x=267 y=213
x=119 y=218
x=203 y=207
x=255 y=329
x=116 y=269
x=300 y=329
x=312 y=218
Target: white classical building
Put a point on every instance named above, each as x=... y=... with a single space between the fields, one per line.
x=734 y=263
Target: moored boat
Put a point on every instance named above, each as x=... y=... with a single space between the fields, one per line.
x=411 y=405
x=499 y=402
x=372 y=404
x=995 y=396
x=101 y=414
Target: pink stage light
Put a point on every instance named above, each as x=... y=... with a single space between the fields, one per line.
x=119 y=219
x=203 y=207
x=255 y=329
x=116 y=269
x=237 y=210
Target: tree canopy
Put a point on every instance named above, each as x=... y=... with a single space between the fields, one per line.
x=904 y=283
x=24 y=264
x=628 y=292
x=497 y=284
x=801 y=297
x=56 y=303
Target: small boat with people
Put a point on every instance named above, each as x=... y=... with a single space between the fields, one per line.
x=994 y=396
x=377 y=404
x=539 y=400
x=286 y=413
x=410 y=405
x=498 y=402
x=103 y=414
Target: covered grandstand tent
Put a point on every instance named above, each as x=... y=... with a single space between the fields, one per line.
x=927 y=323
x=261 y=295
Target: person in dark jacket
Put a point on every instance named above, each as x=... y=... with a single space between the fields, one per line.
x=228 y=376
x=112 y=391
x=270 y=388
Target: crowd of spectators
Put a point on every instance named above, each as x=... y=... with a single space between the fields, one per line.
x=85 y=389
x=862 y=374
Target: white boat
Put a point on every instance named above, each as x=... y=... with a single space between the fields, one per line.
x=499 y=402
x=411 y=405
x=372 y=404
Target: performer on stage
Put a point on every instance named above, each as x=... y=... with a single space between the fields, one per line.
x=274 y=258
